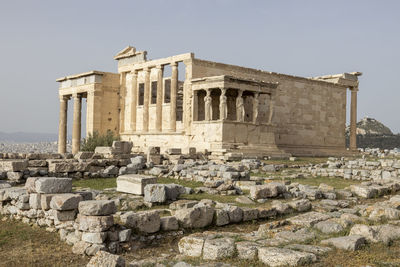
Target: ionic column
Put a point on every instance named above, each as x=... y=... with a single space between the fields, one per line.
x=240 y=106
x=353 y=119
x=122 y=85
x=134 y=94
x=146 y=100
x=207 y=106
x=76 y=127
x=271 y=109
x=255 y=107
x=223 y=109
x=62 y=125
x=174 y=90
x=160 y=70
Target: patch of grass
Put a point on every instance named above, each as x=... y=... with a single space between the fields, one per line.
x=23 y=245
x=218 y=198
x=377 y=254
x=191 y=184
x=298 y=161
x=96 y=183
x=336 y=182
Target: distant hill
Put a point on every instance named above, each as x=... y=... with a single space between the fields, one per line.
x=25 y=137
x=374 y=134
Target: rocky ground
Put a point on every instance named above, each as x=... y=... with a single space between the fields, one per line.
x=302 y=211
x=40 y=147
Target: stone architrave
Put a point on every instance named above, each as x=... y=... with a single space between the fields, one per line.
x=134 y=183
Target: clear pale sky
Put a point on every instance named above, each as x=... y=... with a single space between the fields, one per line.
x=41 y=41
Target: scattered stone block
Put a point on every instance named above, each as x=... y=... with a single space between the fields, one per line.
x=351 y=242
x=97 y=207
x=62 y=216
x=134 y=183
x=317 y=250
x=64 y=201
x=196 y=217
x=103 y=258
x=169 y=223
x=250 y=214
x=94 y=223
x=218 y=248
x=329 y=227
x=191 y=246
x=13 y=165
x=269 y=190
x=124 y=235
x=94 y=238
x=247 y=250
x=35 y=201
x=53 y=185
x=221 y=217
x=146 y=222
x=308 y=219
x=284 y=257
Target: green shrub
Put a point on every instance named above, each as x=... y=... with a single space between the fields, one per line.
x=94 y=140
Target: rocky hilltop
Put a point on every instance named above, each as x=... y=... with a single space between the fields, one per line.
x=372 y=133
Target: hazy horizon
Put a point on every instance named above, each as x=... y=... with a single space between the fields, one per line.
x=44 y=40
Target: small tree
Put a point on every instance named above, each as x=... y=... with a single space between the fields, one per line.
x=94 y=140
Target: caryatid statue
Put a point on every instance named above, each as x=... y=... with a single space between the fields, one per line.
x=223 y=109
x=240 y=106
x=255 y=107
x=207 y=106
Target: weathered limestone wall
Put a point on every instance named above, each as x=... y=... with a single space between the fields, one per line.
x=310 y=115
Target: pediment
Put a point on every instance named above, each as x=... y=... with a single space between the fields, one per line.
x=126 y=52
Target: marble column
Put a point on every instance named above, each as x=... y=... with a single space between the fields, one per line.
x=255 y=106
x=353 y=119
x=122 y=85
x=62 y=126
x=134 y=95
x=146 y=99
x=76 y=127
x=174 y=90
x=240 y=106
x=207 y=106
x=271 y=108
x=223 y=108
x=160 y=72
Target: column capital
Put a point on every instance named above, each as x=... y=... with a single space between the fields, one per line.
x=76 y=95
x=146 y=69
x=354 y=88
x=134 y=72
x=160 y=67
x=174 y=64
x=63 y=98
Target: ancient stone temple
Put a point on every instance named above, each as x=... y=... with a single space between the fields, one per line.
x=219 y=108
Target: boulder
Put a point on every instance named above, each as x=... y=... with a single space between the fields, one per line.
x=364 y=191
x=97 y=207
